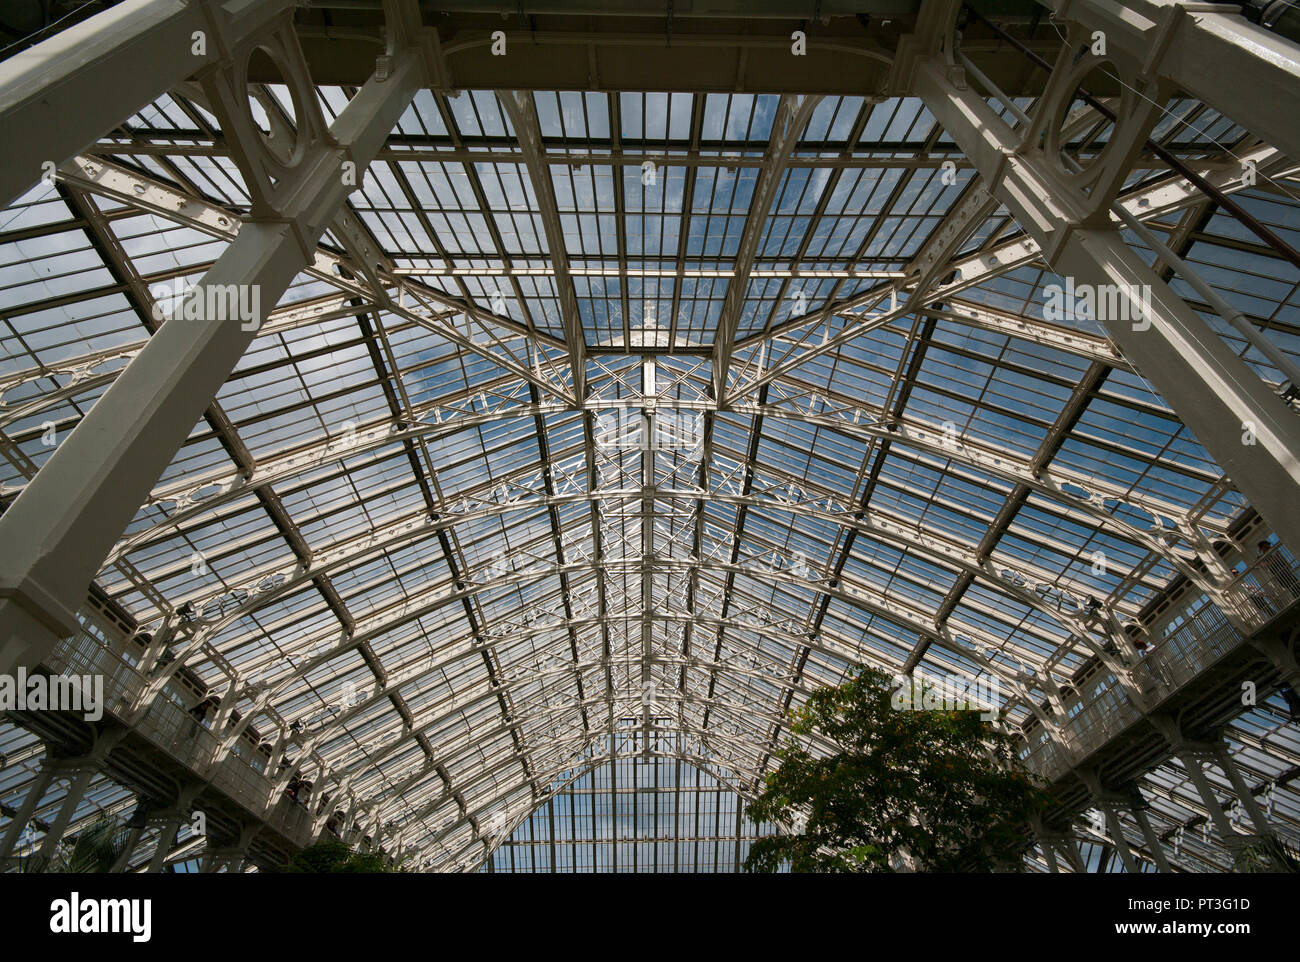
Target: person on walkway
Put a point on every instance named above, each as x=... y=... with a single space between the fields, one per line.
x=1276 y=576
x=200 y=714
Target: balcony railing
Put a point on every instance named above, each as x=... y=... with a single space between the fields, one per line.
x=173 y=730
x=1264 y=590
x=1268 y=587
x=1259 y=594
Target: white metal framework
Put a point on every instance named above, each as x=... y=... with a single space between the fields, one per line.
x=420 y=444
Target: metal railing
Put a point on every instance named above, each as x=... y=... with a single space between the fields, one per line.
x=178 y=733
x=1196 y=644
x=83 y=654
x=173 y=730
x=1259 y=594
x=1265 y=589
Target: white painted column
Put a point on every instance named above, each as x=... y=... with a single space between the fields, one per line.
x=1255 y=73
x=66 y=91
x=1211 y=390
x=67 y=519
x=1247 y=797
x=28 y=808
x=1153 y=841
x=166 y=841
x=76 y=792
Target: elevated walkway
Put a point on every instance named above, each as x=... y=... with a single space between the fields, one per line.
x=165 y=754
x=1195 y=677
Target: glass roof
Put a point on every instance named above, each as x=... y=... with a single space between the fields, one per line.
x=457 y=589
x=642 y=813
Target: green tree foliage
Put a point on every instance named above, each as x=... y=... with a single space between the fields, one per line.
x=1268 y=855
x=943 y=788
x=98 y=847
x=331 y=857
x=95 y=849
